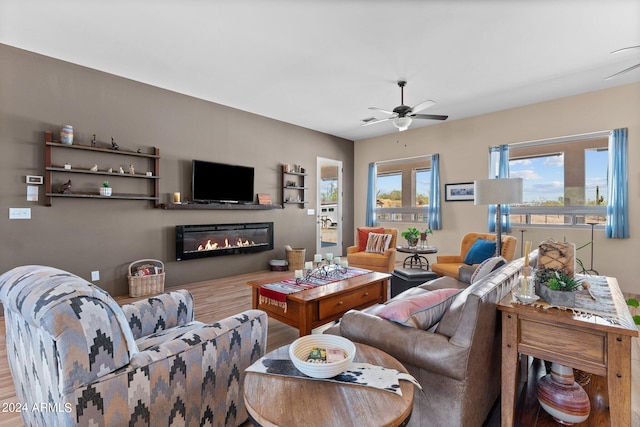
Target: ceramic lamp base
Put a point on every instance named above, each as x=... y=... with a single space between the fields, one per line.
x=562 y=397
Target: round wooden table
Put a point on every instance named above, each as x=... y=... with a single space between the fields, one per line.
x=417 y=260
x=274 y=400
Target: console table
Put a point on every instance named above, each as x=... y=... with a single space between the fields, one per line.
x=589 y=343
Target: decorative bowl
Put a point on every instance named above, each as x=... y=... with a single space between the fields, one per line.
x=299 y=352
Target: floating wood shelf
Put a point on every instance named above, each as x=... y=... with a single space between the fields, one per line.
x=217 y=206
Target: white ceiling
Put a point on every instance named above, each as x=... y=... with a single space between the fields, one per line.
x=320 y=64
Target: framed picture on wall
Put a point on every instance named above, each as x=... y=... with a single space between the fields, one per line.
x=460 y=192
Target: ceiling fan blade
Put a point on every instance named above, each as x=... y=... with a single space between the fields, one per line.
x=429 y=116
x=373 y=122
x=625 y=49
x=626 y=70
x=424 y=104
x=381 y=110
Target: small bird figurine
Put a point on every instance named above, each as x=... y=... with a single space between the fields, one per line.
x=65 y=188
x=114 y=146
x=94 y=168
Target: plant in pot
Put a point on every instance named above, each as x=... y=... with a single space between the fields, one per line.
x=105 y=190
x=557 y=287
x=424 y=234
x=411 y=236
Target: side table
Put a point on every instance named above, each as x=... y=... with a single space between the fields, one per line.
x=417 y=259
x=273 y=400
x=591 y=344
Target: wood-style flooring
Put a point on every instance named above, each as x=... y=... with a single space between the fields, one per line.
x=219 y=298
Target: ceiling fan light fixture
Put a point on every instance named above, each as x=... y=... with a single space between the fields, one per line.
x=402 y=123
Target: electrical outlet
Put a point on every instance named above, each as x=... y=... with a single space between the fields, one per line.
x=95 y=276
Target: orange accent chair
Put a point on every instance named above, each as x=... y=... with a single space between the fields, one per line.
x=384 y=263
x=448 y=265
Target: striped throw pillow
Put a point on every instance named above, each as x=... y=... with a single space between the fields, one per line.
x=378 y=243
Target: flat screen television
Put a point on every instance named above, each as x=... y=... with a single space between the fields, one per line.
x=221 y=183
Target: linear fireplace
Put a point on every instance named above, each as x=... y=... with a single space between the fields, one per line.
x=201 y=241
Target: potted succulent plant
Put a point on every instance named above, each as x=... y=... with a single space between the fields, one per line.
x=105 y=190
x=557 y=287
x=411 y=236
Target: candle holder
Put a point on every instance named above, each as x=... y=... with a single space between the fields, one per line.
x=324 y=270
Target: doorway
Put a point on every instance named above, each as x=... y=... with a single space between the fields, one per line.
x=329 y=203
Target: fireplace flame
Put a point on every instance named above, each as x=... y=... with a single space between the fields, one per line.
x=211 y=246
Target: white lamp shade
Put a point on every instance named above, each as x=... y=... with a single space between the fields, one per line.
x=499 y=191
x=402 y=123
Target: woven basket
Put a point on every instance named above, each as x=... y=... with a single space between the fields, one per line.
x=146 y=284
x=295 y=258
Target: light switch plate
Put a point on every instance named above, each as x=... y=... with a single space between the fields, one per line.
x=311 y=211
x=19 y=213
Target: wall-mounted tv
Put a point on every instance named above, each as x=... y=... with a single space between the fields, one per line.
x=221 y=183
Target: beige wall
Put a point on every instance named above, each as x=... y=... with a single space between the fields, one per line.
x=39 y=93
x=463 y=147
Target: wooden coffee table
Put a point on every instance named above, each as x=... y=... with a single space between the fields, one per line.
x=273 y=400
x=315 y=307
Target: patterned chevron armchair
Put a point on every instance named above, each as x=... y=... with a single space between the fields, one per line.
x=77 y=358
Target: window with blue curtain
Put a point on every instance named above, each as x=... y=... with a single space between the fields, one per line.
x=617 y=225
x=435 y=211
x=499 y=168
x=554 y=200
x=370 y=216
x=405 y=190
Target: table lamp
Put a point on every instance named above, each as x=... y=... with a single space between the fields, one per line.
x=499 y=191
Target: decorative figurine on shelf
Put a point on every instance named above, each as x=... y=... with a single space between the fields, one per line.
x=65 y=188
x=121 y=170
x=139 y=151
x=94 y=168
x=93 y=140
x=114 y=146
x=110 y=170
x=132 y=170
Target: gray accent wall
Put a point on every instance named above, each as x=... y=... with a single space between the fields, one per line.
x=38 y=93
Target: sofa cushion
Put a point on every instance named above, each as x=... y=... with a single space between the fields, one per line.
x=486 y=267
x=363 y=236
x=378 y=243
x=419 y=311
x=480 y=251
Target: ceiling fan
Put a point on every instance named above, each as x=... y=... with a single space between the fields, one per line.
x=626 y=70
x=403 y=115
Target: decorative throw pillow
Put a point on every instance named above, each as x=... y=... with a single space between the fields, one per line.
x=486 y=267
x=420 y=311
x=480 y=251
x=378 y=243
x=363 y=236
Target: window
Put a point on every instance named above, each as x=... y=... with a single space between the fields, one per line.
x=564 y=181
x=402 y=190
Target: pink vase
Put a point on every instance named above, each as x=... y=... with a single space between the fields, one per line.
x=562 y=397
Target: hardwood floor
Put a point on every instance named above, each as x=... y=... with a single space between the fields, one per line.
x=220 y=298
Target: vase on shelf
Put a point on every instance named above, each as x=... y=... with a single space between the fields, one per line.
x=562 y=397
x=66 y=134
